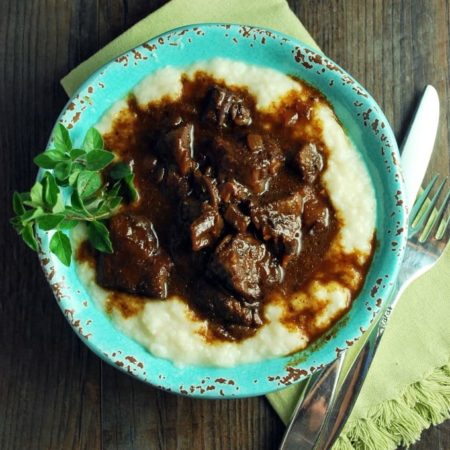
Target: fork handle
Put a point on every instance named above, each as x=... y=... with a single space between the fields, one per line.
x=336 y=415
x=331 y=407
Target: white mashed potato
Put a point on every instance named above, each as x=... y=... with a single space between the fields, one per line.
x=168 y=328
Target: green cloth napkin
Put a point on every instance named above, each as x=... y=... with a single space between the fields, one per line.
x=408 y=386
x=269 y=13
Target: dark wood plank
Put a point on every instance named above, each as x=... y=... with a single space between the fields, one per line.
x=434 y=438
x=137 y=416
x=117 y=16
x=49 y=390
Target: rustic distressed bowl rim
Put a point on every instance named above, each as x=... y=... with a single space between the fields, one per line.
x=365 y=124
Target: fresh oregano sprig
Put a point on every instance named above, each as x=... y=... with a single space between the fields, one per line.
x=73 y=190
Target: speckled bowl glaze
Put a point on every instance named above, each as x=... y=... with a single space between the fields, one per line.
x=368 y=129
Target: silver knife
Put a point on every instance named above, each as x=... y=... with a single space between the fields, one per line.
x=419 y=142
x=318 y=417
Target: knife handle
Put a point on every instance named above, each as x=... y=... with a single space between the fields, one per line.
x=308 y=417
x=339 y=412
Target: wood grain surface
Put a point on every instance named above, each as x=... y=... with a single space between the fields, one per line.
x=54 y=393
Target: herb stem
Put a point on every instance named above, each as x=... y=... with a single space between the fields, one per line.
x=91 y=218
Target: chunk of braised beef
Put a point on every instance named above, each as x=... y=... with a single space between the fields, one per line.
x=226 y=308
x=245 y=266
x=150 y=163
x=280 y=221
x=158 y=173
x=189 y=209
x=233 y=191
x=225 y=107
x=147 y=268
x=207 y=186
x=187 y=261
x=177 y=184
x=255 y=142
x=310 y=162
x=236 y=218
x=176 y=148
x=172 y=119
x=291 y=119
x=251 y=167
x=206 y=228
x=316 y=214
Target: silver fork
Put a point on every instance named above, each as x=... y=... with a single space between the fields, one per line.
x=428 y=235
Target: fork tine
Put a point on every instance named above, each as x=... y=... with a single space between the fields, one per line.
x=415 y=227
x=436 y=219
x=420 y=200
x=445 y=233
x=443 y=227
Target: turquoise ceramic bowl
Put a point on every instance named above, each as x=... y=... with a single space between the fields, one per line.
x=366 y=126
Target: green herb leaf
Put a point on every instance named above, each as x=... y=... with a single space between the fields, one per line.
x=93 y=141
x=51 y=190
x=98 y=159
x=109 y=205
x=76 y=169
x=25 y=196
x=73 y=177
x=18 y=204
x=36 y=194
x=48 y=222
x=68 y=224
x=59 y=205
x=31 y=214
x=29 y=237
x=78 y=166
x=49 y=159
x=99 y=237
x=62 y=139
x=62 y=170
x=88 y=183
x=113 y=202
x=119 y=171
x=129 y=182
x=16 y=222
x=76 y=153
x=60 y=246
x=78 y=204
x=115 y=189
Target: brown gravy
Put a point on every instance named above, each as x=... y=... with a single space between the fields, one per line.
x=136 y=138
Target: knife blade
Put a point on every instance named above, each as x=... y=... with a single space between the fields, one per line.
x=332 y=408
x=419 y=142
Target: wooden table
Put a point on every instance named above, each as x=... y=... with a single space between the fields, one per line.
x=54 y=392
